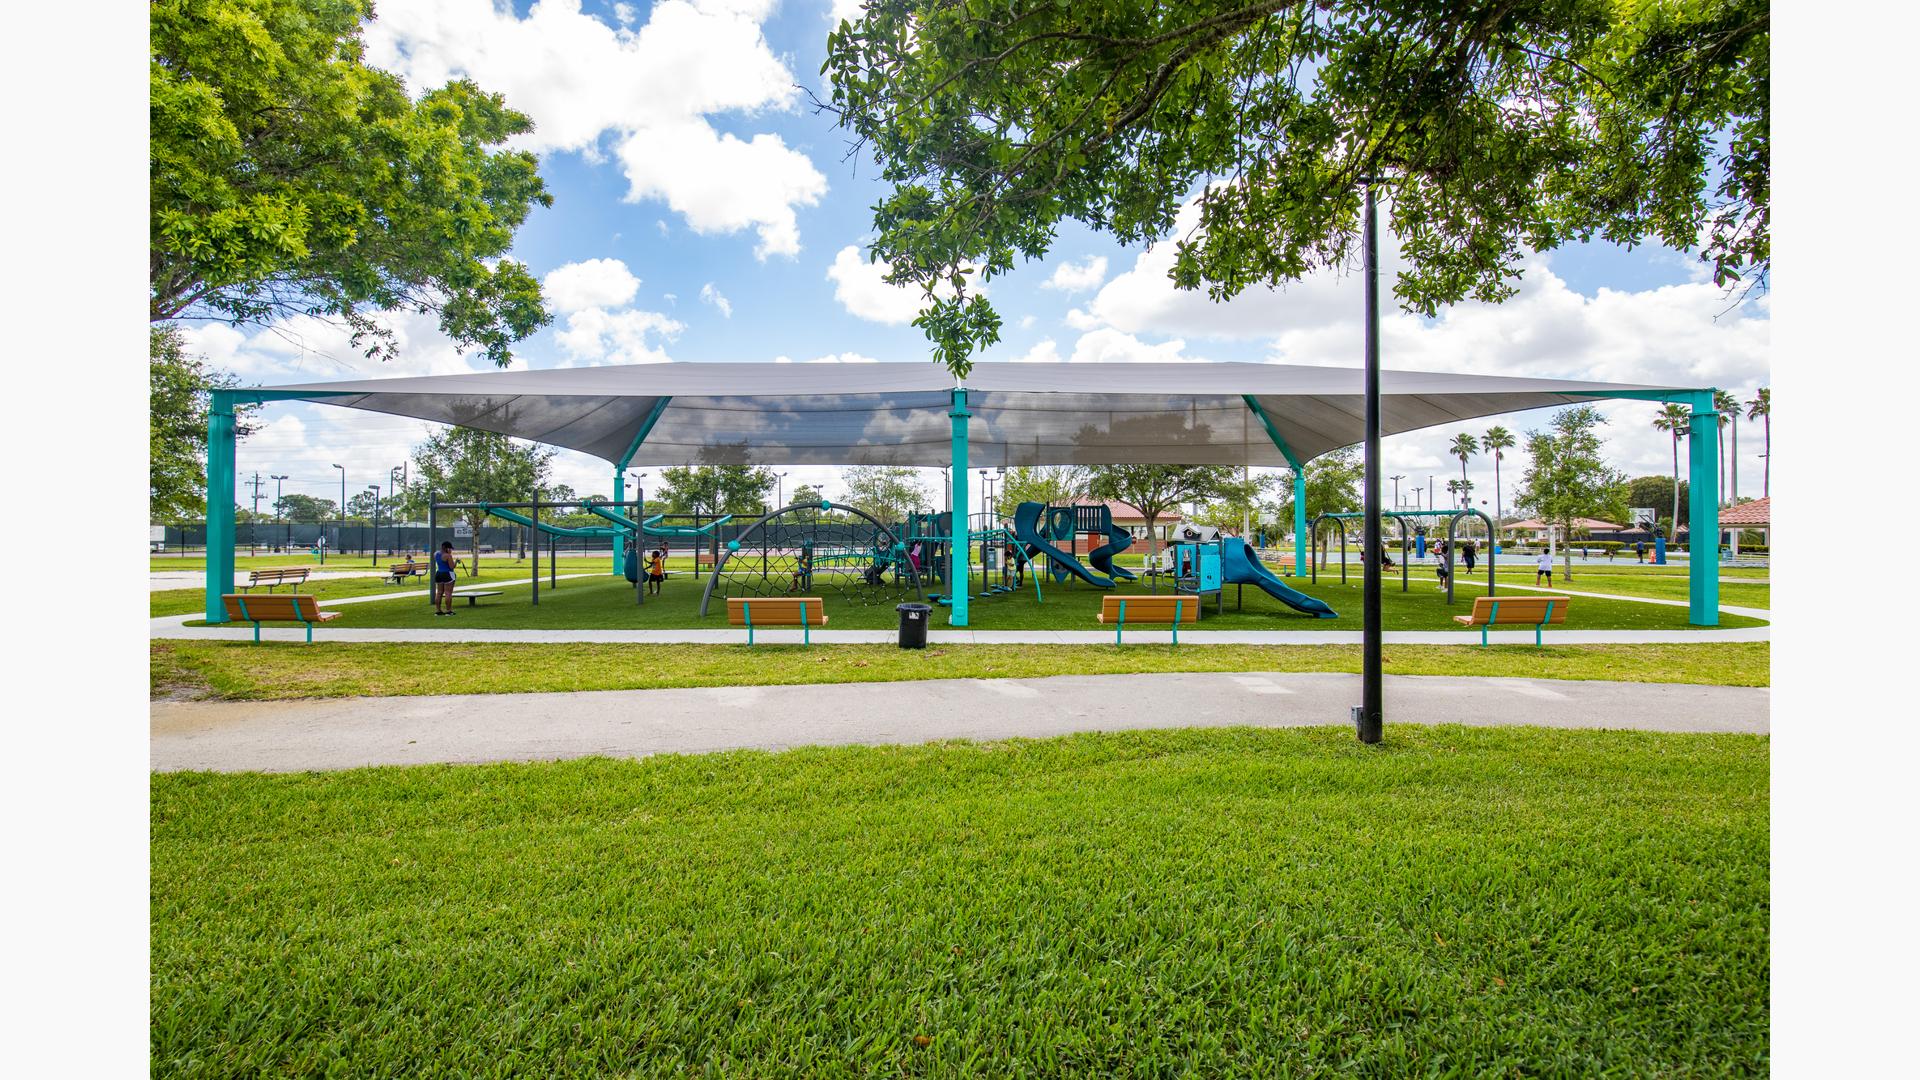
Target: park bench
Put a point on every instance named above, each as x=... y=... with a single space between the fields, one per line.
x=1164 y=610
x=285 y=607
x=1534 y=611
x=291 y=575
x=805 y=612
x=473 y=596
x=401 y=571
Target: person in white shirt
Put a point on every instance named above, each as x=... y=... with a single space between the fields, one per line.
x=1543 y=568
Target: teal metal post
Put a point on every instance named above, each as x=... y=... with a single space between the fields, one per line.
x=220 y=458
x=619 y=542
x=1301 y=552
x=1703 y=513
x=957 y=580
x=1299 y=485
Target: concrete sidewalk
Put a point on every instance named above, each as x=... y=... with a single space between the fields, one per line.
x=286 y=736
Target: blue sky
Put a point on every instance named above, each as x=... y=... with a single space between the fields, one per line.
x=704 y=212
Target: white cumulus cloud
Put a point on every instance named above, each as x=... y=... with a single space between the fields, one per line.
x=630 y=336
x=651 y=88
x=862 y=288
x=1078 y=277
x=595 y=283
x=715 y=297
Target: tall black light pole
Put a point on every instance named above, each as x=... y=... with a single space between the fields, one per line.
x=340 y=540
x=280 y=513
x=373 y=558
x=1370 y=717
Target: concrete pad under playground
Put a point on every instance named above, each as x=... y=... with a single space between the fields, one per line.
x=291 y=736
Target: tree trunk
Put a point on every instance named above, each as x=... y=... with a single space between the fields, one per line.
x=473 y=544
x=1721 y=434
x=1566 y=553
x=1464 y=498
x=1673 y=530
x=1733 y=490
x=1151 y=518
x=1766 y=446
x=1494 y=539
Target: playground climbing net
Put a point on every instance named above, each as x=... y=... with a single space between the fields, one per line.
x=810 y=551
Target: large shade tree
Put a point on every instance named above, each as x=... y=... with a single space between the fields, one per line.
x=289 y=178
x=1155 y=489
x=1493 y=127
x=1568 y=477
x=178 y=386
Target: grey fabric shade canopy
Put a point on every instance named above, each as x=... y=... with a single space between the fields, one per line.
x=898 y=413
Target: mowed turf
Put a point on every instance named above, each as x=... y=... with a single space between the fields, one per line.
x=1221 y=902
x=608 y=603
x=285 y=670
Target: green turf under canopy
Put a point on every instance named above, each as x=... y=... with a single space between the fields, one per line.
x=1222 y=902
x=608 y=603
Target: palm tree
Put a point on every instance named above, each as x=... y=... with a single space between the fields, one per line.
x=1464 y=446
x=1728 y=407
x=1495 y=440
x=1758 y=408
x=1675 y=419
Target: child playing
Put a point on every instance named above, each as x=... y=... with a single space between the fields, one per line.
x=1543 y=568
x=656 y=570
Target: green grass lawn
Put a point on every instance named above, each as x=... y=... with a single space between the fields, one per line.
x=275 y=670
x=1627 y=582
x=608 y=603
x=1217 y=902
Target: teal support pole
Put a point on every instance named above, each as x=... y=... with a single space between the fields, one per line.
x=1703 y=513
x=220 y=464
x=958 y=583
x=619 y=543
x=1301 y=552
x=1299 y=485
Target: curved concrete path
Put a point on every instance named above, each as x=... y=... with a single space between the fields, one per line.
x=289 y=736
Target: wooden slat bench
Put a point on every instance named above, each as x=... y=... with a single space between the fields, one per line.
x=1168 y=610
x=1534 y=611
x=805 y=612
x=285 y=607
x=401 y=571
x=290 y=575
x=472 y=597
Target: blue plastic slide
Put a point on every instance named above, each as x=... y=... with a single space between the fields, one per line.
x=1026 y=529
x=1118 y=540
x=1240 y=566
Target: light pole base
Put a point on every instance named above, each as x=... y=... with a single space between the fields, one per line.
x=1369 y=729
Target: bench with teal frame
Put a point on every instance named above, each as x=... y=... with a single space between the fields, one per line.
x=281 y=607
x=804 y=612
x=1535 y=611
x=1119 y=610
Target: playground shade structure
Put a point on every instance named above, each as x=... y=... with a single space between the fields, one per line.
x=1004 y=414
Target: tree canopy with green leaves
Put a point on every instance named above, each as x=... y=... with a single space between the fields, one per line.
x=887 y=492
x=289 y=178
x=178 y=399
x=1333 y=485
x=1569 y=477
x=469 y=465
x=1155 y=489
x=1049 y=485
x=1492 y=127
x=712 y=490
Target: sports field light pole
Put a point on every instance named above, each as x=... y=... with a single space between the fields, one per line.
x=340 y=541
x=280 y=513
x=1370 y=717
x=373 y=549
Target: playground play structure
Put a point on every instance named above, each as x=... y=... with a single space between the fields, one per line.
x=1264 y=415
x=806 y=549
x=622 y=531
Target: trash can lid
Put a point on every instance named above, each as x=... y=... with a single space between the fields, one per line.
x=913 y=607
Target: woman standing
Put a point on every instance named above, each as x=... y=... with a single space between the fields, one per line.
x=443 y=567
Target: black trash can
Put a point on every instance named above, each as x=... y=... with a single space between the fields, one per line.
x=913 y=624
